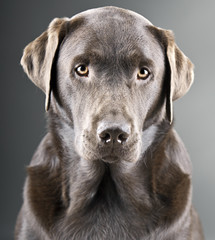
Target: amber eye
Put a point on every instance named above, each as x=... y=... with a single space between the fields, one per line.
x=143 y=74
x=82 y=70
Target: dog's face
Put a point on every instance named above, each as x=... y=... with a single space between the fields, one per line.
x=110 y=78
x=116 y=75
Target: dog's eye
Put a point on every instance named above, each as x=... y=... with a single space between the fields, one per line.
x=143 y=74
x=82 y=70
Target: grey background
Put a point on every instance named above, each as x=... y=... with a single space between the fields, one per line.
x=22 y=118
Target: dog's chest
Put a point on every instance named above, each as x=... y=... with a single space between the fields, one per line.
x=103 y=222
x=105 y=217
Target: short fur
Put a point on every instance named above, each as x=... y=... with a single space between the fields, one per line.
x=80 y=187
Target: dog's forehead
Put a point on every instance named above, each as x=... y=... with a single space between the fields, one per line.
x=109 y=20
x=112 y=20
x=111 y=31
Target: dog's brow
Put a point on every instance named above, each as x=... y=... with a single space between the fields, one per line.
x=88 y=56
x=137 y=59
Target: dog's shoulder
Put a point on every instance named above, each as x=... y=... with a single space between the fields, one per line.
x=177 y=152
x=45 y=155
x=44 y=183
x=171 y=176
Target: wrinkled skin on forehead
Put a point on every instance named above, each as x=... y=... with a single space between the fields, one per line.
x=111 y=92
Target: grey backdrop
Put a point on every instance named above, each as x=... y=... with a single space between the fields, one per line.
x=22 y=118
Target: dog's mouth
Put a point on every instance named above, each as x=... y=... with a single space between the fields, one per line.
x=113 y=154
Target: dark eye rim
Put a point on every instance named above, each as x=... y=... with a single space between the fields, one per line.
x=147 y=76
x=85 y=73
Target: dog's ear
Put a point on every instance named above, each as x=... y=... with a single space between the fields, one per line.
x=179 y=69
x=38 y=56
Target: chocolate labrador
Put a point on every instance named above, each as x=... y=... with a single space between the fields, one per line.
x=111 y=165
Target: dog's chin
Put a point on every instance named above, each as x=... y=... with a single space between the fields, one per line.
x=129 y=158
x=110 y=159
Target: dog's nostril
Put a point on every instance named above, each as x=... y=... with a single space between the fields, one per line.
x=122 y=138
x=113 y=135
x=105 y=137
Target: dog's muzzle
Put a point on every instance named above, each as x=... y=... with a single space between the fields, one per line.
x=112 y=140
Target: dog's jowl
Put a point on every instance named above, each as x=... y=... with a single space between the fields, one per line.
x=111 y=166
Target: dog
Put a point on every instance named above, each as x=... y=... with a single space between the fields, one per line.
x=111 y=165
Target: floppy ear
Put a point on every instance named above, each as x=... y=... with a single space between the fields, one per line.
x=180 y=71
x=38 y=56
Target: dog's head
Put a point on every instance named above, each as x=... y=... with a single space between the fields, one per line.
x=112 y=74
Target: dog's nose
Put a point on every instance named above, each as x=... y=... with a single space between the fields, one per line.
x=114 y=135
